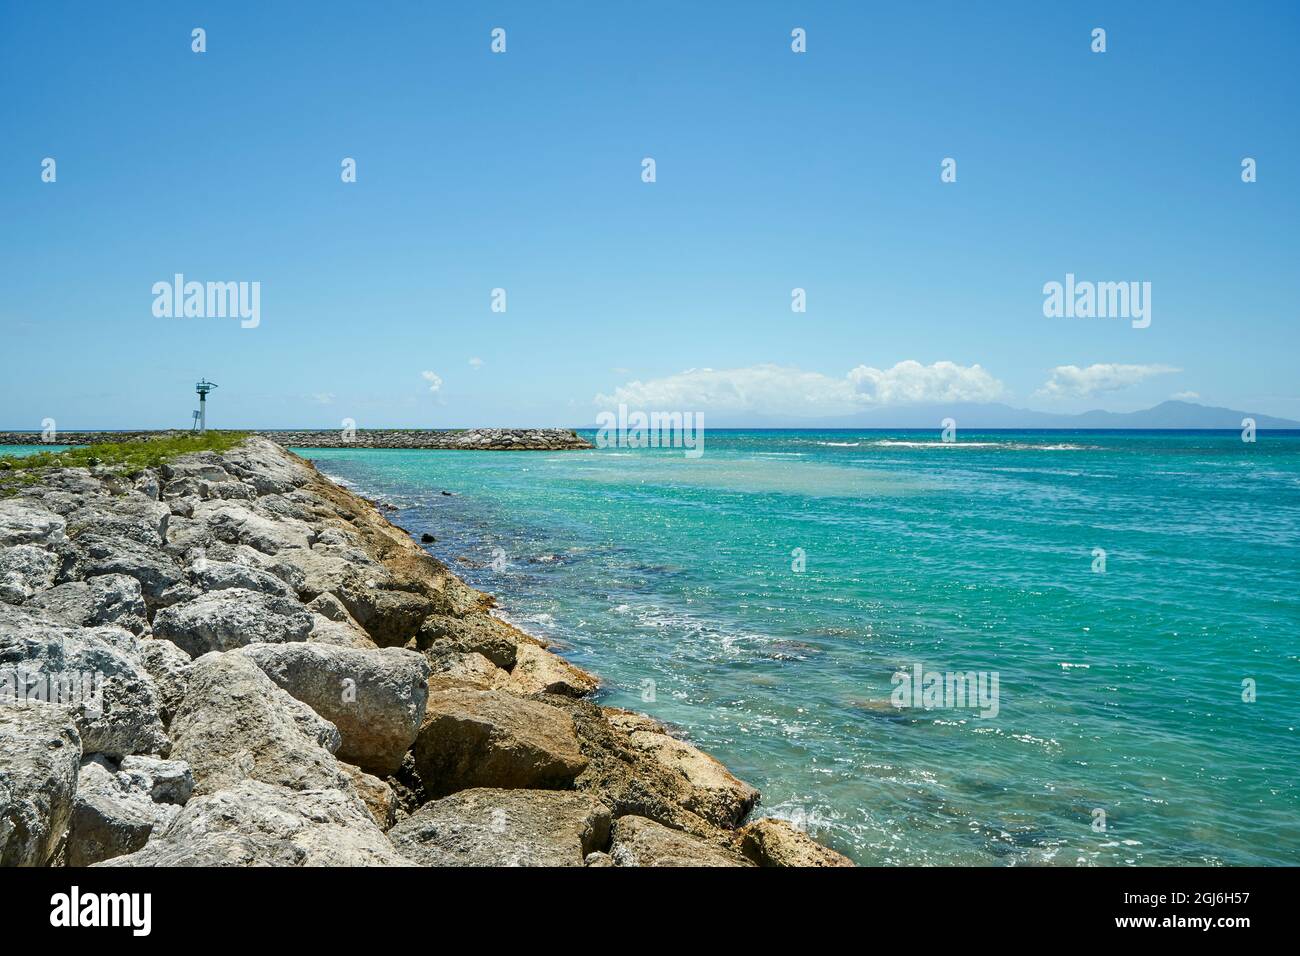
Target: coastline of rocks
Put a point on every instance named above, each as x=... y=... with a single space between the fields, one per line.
x=284 y=677
x=467 y=439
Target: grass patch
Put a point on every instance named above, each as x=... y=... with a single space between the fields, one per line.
x=128 y=456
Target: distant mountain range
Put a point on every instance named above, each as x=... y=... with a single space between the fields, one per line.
x=967 y=415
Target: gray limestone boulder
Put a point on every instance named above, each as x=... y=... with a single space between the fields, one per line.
x=118 y=808
x=40 y=751
x=376 y=698
x=257 y=824
x=485 y=827
x=230 y=618
x=106 y=599
x=95 y=673
x=235 y=724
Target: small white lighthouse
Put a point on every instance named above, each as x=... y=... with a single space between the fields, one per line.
x=203 y=387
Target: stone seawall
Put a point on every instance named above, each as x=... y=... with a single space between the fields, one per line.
x=230 y=660
x=467 y=439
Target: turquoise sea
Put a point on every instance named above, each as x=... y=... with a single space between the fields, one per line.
x=1119 y=691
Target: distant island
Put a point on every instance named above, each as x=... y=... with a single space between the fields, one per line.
x=979 y=415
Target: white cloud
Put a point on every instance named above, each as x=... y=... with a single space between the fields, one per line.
x=780 y=390
x=911 y=382
x=323 y=398
x=1070 y=381
x=1186 y=396
x=434 y=380
x=476 y=363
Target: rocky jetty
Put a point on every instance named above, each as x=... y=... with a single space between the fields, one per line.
x=466 y=439
x=228 y=660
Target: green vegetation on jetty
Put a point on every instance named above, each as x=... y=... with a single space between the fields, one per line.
x=131 y=456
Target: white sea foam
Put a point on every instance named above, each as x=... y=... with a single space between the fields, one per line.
x=1012 y=445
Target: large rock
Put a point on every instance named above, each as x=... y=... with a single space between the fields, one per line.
x=95 y=673
x=107 y=599
x=390 y=617
x=376 y=698
x=636 y=841
x=134 y=517
x=504 y=828
x=24 y=522
x=157 y=573
x=318 y=572
x=474 y=634
x=339 y=634
x=116 y=809
x=205 y=465
x=236 y=523
x=266 y=466
x=169 y=666
x=258 y=824
x=236 y=724
x=39 y=754
x=231 y=618
x=772 y=842
x=380 y=799
x=538 y=671
x=25 y=570
x=210 y=575
x=478 y=738
x=707 y=788
x=466 y=670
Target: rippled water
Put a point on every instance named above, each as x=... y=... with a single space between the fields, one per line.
x=1118 y=691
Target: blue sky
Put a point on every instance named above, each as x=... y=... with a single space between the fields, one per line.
x=522 y=171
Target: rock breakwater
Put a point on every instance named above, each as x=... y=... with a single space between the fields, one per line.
x=466 y=439
x=230 y=660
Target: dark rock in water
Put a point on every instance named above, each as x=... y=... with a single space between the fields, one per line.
x=447 y=493
x=427 y=538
